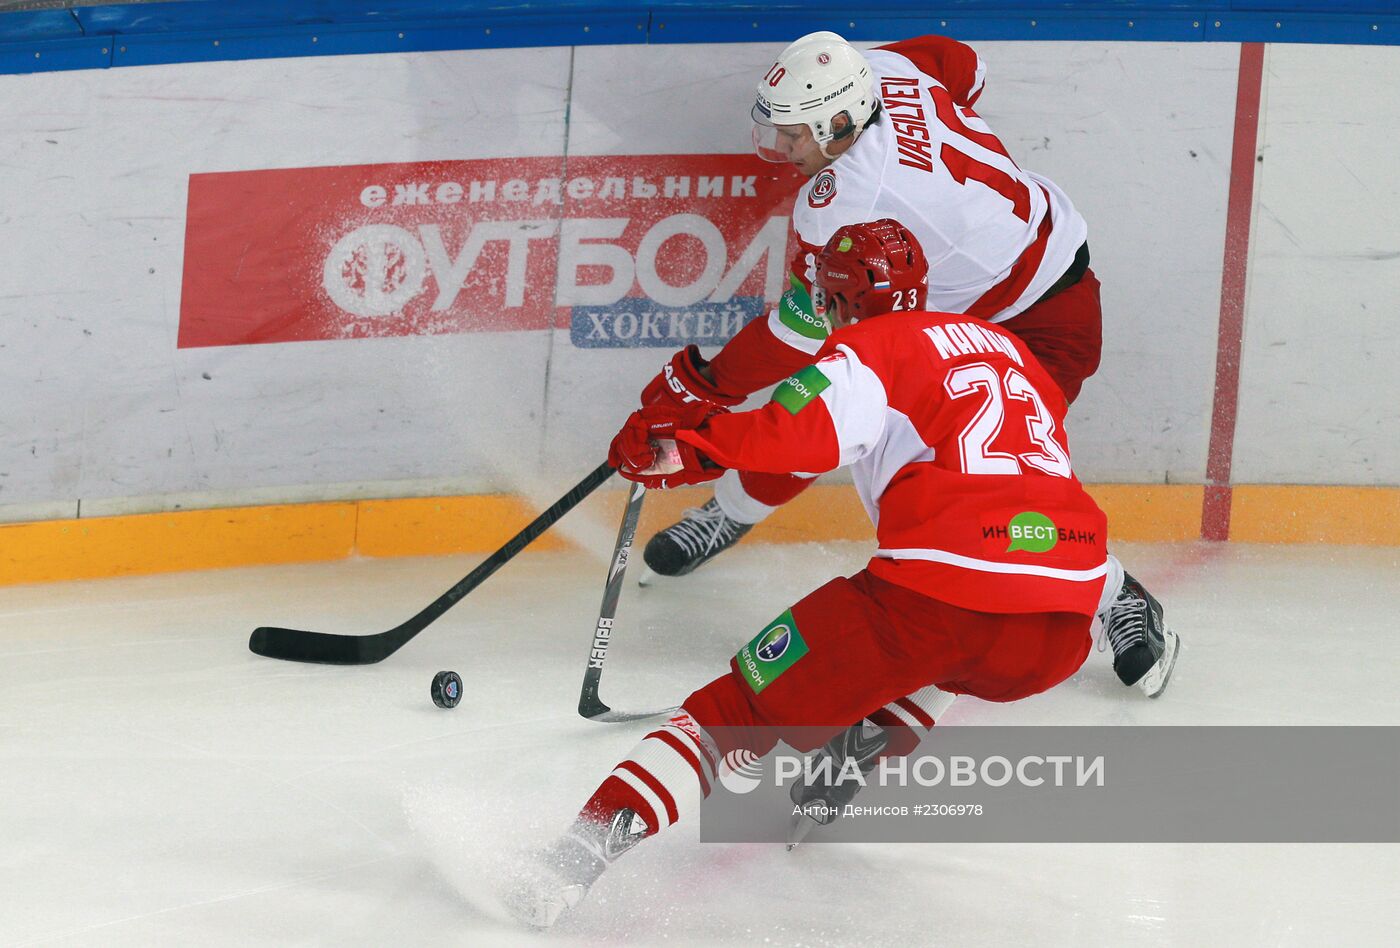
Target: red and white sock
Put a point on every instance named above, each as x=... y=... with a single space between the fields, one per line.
x=665 y=777
x=908 y=719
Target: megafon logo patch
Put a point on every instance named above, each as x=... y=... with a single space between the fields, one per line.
x=656 y=250
x=823 y=188
x=797 y=391
x=774 y=643
x=773 y=651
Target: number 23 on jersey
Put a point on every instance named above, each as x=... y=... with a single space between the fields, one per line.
x=987 y=445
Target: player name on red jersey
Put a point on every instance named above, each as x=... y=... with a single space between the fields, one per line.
x=959 y=339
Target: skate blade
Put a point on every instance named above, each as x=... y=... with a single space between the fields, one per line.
x=801 y=825
x=1155 y=681
x=542 y=911
x=537 y=899
x=645 y=577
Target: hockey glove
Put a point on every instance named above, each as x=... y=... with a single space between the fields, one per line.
x=683 y=391
x=647 y=451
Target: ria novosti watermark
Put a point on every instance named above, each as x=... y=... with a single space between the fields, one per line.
x=1059 y=784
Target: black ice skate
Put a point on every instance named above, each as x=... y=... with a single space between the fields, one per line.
x=824 y=788
x=555 y=879
x=703 y=534
x=1144 y=649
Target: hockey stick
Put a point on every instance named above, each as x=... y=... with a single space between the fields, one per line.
x=297 y=645
x=589 y=704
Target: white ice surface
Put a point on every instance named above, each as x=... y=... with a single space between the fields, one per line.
x=161 y=785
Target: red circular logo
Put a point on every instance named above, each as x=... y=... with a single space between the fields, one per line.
x=823 y=58
x=823 y=189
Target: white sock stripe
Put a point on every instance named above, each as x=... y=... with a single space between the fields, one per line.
x=704 y=755
x=668 y=766
x=908 y=719
x=659 y=819
x=686 y=752
x=708 y=742
x=933 y=701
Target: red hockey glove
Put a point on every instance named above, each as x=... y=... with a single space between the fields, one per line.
x=679 y=397
x=684 y=392
x=647 y=451
x=634 y=447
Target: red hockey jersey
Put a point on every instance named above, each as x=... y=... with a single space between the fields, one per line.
x=996 y=236
x=955 y=437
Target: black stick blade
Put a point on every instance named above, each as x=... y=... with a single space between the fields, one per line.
x=591 y=706
x=299 y=645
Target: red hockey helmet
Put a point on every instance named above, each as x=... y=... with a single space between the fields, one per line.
x=870 y=269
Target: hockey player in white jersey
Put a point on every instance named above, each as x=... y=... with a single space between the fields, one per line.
x=892 y=133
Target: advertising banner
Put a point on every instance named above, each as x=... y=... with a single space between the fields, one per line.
x=623 y=251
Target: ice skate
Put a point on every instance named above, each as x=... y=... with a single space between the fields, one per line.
x=699 y=537
x=552 y=881
x=824 y=788
x=1144 y=649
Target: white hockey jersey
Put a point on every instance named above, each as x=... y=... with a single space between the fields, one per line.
x=996 y=237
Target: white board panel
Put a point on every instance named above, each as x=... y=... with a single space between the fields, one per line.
x=1319 y=389
x=93 y=197
x=106 y=410
x=1139 y=136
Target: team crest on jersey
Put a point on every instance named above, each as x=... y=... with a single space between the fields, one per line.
x=823 y=188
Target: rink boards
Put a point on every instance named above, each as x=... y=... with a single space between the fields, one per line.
x=173 y=346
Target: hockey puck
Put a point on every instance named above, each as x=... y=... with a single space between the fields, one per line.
x=447 y=689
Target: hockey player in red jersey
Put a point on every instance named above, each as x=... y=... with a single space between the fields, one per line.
x=990 y=568
x=892 y=132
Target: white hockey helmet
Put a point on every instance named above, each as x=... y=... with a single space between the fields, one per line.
x=815 y=79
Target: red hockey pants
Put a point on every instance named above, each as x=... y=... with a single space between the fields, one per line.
x=856 y=644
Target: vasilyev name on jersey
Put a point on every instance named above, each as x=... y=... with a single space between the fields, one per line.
x=969 y=338
x=906 y=113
